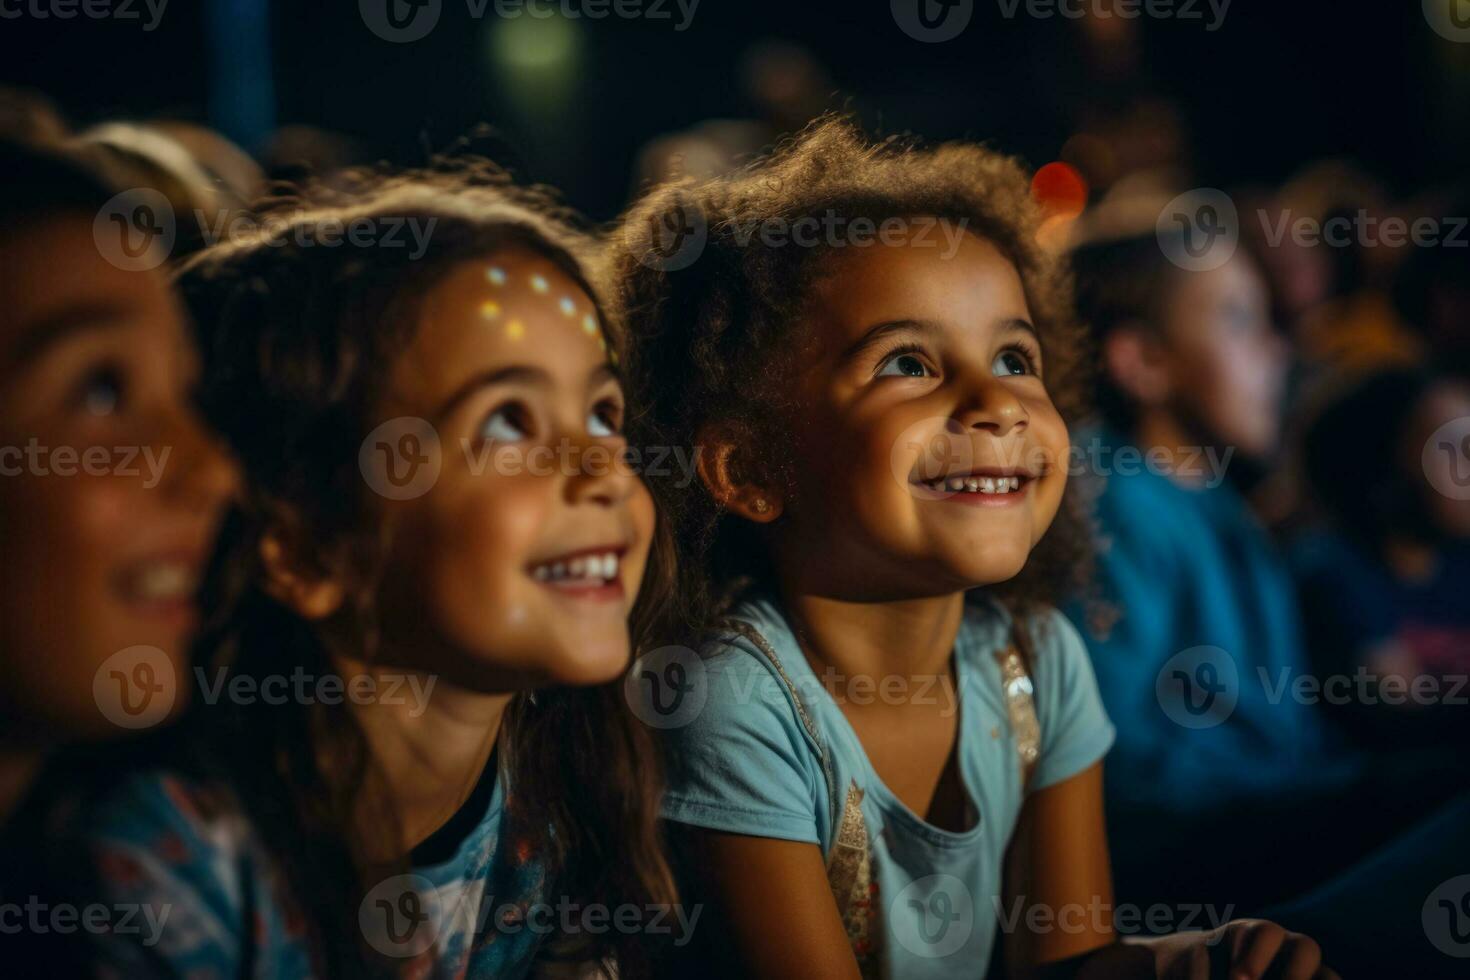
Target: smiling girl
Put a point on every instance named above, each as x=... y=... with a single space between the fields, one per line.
x=898 y=750
x=102 y=552
x=417 y=617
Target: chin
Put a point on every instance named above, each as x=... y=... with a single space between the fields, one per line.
x=995 y=569
x=585 y=664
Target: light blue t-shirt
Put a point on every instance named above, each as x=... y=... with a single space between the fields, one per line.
x=745 y=763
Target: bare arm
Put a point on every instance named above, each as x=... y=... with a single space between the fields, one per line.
x=769 y=908
x=1058 y=889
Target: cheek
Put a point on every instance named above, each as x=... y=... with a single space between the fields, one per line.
x=1053 y=448
x=472 y=550
x=643 y=518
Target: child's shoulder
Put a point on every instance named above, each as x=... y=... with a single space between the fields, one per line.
x=748 y=674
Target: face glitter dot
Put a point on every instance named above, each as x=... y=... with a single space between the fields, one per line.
x=496 y=275
x=515 y=330
x=489 y=309
x=566 y=306
x=589 y=324
x=539 y=283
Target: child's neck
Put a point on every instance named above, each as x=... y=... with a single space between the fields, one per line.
x=867 y=641
x=430 y=751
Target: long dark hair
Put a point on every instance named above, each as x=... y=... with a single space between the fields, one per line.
x=298 y=333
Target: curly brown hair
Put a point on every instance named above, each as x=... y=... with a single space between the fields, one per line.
x=298 y=333
x=707 y=336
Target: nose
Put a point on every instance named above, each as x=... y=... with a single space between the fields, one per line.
x=601 y=474
x=991 y=406
x=200 y=474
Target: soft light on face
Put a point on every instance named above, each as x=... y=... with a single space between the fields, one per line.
x=110 y=491
x=520 y=565
x=1227 y=362
x=929 y=457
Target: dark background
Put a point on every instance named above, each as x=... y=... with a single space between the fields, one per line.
x=1281 y=83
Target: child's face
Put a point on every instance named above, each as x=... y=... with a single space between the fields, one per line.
x=110 y=491
x=520 y=565
x=922 y=367
x=1441 y=405
x=1226 y=362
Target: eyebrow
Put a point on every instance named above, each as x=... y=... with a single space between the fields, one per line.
x=53 y=331
x=515 y=374
x=877 y=332
x=887 y=328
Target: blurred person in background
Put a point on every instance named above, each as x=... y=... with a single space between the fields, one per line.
x=1218 y=771
x=209 y=182
x=1385 y=583
x=785 y=87
x=110 y=494
x=1432 y=291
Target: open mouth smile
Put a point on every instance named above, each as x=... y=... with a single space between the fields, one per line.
x=588 y=573
x=981 y=486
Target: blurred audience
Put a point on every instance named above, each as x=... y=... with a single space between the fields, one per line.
x=1384 y=582
x=1218 y=770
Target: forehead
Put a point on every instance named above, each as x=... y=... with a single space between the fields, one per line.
x=53 y=272
x=944 y=274
x=511 y=306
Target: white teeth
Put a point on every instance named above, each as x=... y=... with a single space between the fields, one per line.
x=602 y=567
x=978 y=484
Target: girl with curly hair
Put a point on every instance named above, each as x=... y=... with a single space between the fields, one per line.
x=412 y=755
x=889 y=747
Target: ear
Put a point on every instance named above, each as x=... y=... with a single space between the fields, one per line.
x=1137 y=364
x=310 y=592
x=716 y=463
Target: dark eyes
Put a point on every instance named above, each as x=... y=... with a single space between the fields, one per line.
x=605 y=420
x=100 y=393
x=903 y=364
x=1013 y=361
x=513 y=422
x=1009 y=362
x=508 y=423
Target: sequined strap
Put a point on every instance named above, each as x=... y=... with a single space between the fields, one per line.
x=1020 y=697
x=849 y=862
